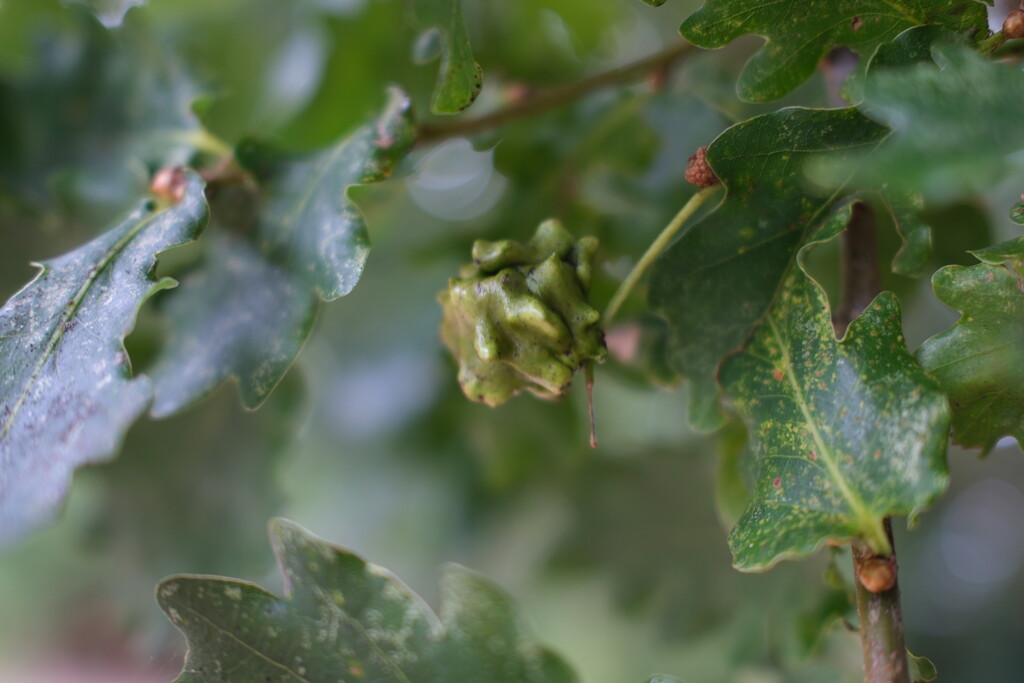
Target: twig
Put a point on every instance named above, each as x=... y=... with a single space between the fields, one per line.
x=877 y=584
x=654 y=251
x=881 y=621
x=861 y=281
x=552 y=98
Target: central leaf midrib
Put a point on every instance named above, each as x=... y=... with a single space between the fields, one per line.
x=861 y=512
x=70 y=310
x=245 y=645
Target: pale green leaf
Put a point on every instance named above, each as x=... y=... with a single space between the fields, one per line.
x=979 y=361
x=460 y=77
x=800 y=33
x=66 y=391
x=345 y=619
x=846 y=432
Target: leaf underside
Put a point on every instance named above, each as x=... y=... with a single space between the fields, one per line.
x=66 y=391
x=345 y=619
x=979 y=361
x=800 y=33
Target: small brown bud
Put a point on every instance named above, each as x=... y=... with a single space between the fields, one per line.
x=1013 y=26
x=699 y=171
x=877 y=574
x=169 y=184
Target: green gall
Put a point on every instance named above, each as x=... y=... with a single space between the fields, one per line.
x=517 y=317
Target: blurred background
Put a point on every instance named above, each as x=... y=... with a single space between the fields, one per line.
x=617 y=555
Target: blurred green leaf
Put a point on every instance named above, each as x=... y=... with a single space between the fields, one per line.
x=460 y=77
x=236 y=315
x=737 y=471
x=836 y=603
x=921 y=668
x=954 y=124
x=97 y=112
x=979 y=360
x=343 y=617
x=800 y=33
x=846 y=432
x=248 y=308
x=66 y=392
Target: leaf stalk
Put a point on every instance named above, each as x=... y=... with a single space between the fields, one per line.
x=653 y=251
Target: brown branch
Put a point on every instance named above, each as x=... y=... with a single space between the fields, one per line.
x=878 y=591
x=552 y=98
x=861 y=281
x=881 y=619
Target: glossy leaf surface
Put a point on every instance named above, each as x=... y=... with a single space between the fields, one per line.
x=800 y=33
x=846 y=432
x=343 y=619
x=979 y=361
x=716 y=282
x=66 y=391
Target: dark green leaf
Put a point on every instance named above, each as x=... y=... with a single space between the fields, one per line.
x=716 y=281
x=846 y=432
x=247 y=310
x=97 y=111
x=800 y=33
x=979 y=361
x=66 y=392
x=460 y=77
x=345 y=619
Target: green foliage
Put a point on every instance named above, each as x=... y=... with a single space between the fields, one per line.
x=65 y=384
x=517 y=317
x=978 y=361
x=343 y=617
x=954 y=124
x=367 y=434
x=460 y=77
x=246 y=310
x=800 y=33
x=736 y=257
x=846 y=433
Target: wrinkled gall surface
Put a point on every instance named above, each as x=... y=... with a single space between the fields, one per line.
x=517 y=317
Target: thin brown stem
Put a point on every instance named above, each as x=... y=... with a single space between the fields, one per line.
x=547 y=99
x=861 y=281
x=878 y=591
x=881 y=622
